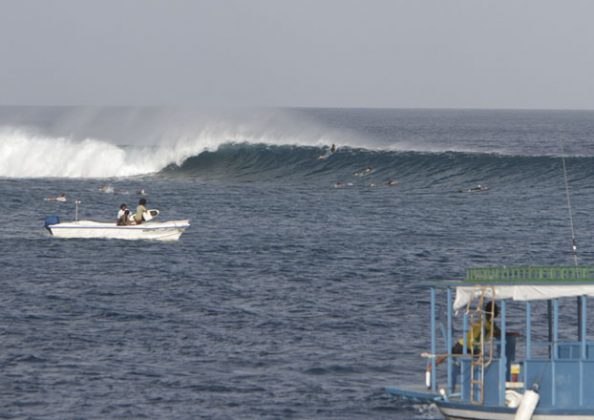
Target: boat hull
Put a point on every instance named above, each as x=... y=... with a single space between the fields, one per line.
x=159 y=231
x=457 y=410
x=466 y=412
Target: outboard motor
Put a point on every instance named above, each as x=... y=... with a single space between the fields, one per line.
x=51 y=220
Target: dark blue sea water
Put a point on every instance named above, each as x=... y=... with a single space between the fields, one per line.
x=300 y=289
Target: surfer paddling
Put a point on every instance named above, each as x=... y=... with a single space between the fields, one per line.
x=364 y=171
x=61 y=197
x=478 y=188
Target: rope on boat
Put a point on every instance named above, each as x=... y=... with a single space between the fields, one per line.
x=570 y=210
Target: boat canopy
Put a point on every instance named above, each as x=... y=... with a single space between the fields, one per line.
x=524 y=283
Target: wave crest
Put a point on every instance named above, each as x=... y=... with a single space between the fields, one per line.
x=26 y=155
x=220 y=156
x=23 y=155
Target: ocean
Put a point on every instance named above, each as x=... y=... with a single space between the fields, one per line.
x=301 y=288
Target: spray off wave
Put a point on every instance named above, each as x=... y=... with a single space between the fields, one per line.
x=107 y=142
x=25 y=155
x=29 y=156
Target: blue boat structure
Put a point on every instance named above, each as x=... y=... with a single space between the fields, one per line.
x=476 y=368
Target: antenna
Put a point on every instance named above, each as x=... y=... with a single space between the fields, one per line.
x=570 y=210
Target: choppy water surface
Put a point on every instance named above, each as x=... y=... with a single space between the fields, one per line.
x=291 y=296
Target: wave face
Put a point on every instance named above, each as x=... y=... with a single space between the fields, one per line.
x=264 y=145
x=265 y=163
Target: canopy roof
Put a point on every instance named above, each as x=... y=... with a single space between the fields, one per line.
x=525 y=283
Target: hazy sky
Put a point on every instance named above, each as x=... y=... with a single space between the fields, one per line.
x=321 y=53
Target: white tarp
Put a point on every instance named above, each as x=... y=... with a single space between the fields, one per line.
x=465 y=294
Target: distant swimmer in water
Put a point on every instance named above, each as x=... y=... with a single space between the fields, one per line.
x=333 y=148
x=391 y=182
x=106 y=188
x=339 y=184
x=61 y=197
x=478 y=188
x=141 y=192
x=363 y=172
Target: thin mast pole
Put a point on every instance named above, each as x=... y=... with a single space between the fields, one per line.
x=569 y=209
x=580 y=332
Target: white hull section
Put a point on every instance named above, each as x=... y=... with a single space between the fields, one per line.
x=159 y=231
x=464 y=414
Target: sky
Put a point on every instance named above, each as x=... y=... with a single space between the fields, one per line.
x=513 y=54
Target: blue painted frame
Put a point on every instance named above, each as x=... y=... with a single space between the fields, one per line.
x=565 y=376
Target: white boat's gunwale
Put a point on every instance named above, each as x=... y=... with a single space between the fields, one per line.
x=134 y=227
x=87 y=229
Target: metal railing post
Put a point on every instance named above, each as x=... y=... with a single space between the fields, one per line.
x=449 y=340
x=433 y=343
x=502 y=355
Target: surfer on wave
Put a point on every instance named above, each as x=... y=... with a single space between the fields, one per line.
x=325 y=155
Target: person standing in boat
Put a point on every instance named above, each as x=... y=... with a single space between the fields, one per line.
x=473 y=337
x=140 y=210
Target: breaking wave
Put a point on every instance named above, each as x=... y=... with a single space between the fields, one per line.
x=423 y=148
x=23 y=155
x=30 y=156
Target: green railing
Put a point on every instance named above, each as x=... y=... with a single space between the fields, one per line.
x=530 y=274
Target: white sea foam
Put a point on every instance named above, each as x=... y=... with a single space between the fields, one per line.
x=26 y=155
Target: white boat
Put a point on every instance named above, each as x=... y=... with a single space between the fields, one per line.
x=160 y=231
